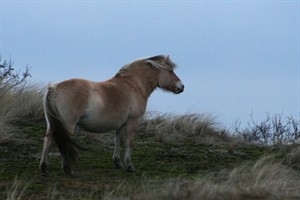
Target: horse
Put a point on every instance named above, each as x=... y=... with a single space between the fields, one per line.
x=116 y=104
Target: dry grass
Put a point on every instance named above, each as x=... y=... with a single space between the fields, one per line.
x=264 y=179
x=267 y=178
x=22 y=103
x=202 y=127
x=17 y=105
x=17 y=190
x=294 y=157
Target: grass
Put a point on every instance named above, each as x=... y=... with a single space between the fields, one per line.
x=17 y=105
x=177 y=157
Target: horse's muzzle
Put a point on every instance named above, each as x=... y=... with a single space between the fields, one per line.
x=179 y=87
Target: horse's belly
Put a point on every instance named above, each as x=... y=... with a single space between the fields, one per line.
x=102 y=116
x=100 y=124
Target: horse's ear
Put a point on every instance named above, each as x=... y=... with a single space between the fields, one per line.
x=159 y=62
x=155 y=64
x=167 y=59
x=169 y=62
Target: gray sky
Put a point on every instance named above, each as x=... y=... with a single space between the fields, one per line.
x=235 y=57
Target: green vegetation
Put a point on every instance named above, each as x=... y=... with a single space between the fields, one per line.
x=177 y=157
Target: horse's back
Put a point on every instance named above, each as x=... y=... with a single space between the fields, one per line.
x=73 y=85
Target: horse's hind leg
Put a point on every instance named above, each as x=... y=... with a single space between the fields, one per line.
x=116 y=156
x=65 y=164
x=45 y=152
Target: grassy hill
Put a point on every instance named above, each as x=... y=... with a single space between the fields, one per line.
x=176 y=157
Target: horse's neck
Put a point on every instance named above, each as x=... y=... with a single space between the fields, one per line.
x=140 y=84
x=147 y=82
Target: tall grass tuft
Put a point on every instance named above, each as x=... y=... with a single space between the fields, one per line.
x=294 y=157
x=19 y=104
x=265 y=179
x=17 y=190
x=201 y=127
x=22 y=103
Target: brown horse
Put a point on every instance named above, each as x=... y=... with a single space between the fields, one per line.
x=116 y=104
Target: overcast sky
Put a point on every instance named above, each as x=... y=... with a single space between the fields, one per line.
x=234 y=57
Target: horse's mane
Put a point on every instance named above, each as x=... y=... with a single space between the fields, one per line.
x=162 y=60
x=159 y=62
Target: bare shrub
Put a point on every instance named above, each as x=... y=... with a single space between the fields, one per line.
x=273 y=131
x=18 y=100
x=9 y=77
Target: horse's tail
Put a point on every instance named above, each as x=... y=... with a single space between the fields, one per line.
x=60 y=134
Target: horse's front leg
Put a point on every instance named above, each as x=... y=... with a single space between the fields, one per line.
x=116 y=155
x=130 y=131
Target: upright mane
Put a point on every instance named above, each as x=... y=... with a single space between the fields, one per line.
x=159 y=62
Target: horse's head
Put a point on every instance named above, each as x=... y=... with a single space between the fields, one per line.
x=167 y=79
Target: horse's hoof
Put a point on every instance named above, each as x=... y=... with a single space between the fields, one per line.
x=67 y=169
x=45 y=174
x=44 y=169
x=71 y=174
x=119 y=165
x=130 y=168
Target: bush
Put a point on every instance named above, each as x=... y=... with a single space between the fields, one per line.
x=9 y=77
x=19 y=101
x=273 y=131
